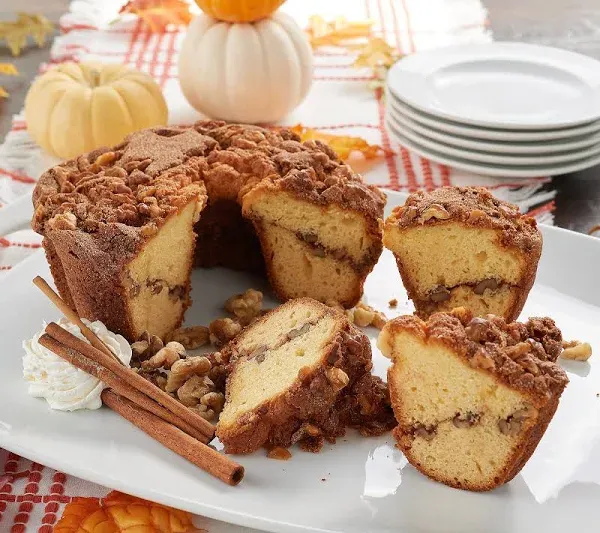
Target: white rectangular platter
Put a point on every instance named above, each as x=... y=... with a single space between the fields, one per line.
x=358 y=485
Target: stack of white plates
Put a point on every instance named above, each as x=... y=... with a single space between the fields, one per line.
x=498 y=109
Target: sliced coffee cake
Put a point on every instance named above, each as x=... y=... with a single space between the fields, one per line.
x=472 y=396
x=289 y=370
x=460 y=246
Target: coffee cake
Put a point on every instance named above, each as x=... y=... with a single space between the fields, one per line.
x=460 y=246
x=120 y=224
x=472 y=396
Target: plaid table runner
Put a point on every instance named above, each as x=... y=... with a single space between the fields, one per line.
x=340 y=102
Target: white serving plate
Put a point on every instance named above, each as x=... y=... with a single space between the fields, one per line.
x=478 y=156
x=360 y=485
x=503 y=147
x=503 y=171
x=501 y=85
x=494 y=134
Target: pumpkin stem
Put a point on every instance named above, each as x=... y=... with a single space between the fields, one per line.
x=94 y=77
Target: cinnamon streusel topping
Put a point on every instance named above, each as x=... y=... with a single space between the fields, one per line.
x=523 y=355
x=153 y=172
x=474 y=206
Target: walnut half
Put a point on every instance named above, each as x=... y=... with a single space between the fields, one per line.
x=576 y=351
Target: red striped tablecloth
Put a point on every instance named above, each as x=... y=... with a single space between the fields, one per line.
x=340 y=101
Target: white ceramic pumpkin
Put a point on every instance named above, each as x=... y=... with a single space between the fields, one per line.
x=248 y=73
x=76 y=107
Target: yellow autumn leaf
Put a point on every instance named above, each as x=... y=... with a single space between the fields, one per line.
x=8 y=69
x=15 y=33
x=342 y=145
x=120 y=513
x=337 y=32
x=376 y=53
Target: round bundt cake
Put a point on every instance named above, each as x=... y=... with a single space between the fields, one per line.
x=121 y=224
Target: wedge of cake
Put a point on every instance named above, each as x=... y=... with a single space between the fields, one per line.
x=460 y=246
x=123 y=226
x=288 y=370
x=472 y=396
x=320 y=239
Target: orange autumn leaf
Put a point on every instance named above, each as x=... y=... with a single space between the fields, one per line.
x=121 y=513
x=337 y=32
x=342 y=145
x=158 y=14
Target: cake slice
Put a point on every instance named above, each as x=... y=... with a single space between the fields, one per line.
x=321 y=239
x=118 y=229
x=472 y=396
x=288 y=369
x=461 y=247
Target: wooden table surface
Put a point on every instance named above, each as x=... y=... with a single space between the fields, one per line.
x=571 y=24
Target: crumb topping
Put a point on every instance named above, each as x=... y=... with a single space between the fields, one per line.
x=474 y=206
x=521 y=354
x=156 y=171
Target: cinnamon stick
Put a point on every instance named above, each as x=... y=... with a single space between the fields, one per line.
x=118 y=385
x=95 y=341
x=201 y=455
x=133 y=379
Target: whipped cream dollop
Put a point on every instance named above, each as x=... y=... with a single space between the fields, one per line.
x=64 y=386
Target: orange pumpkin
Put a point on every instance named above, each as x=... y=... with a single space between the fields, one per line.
x=239 y=10
x=120 y=513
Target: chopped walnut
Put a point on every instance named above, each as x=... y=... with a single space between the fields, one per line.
x=338 y=378
x=214 y=401
x=63 y=221
x=105 y=159
x=427 y=433
x=435 y=211
x=476 y=214
x=379 y=320
x=576 y=351
x=192 y=337
x=155 y=377
x=192 y=391
x=312 y=431
x=364 y=315
x=245 y=307
x=138 y=348
x=184 y=369
x=165 y=357
x=211 y=403
x=482 y=360
x=203 y=411
x=518 y=350
x=512 y=425
x=222 y=330
x=279 y=453
x=145 y=347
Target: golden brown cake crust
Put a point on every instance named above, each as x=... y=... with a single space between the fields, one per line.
x=305 y=410
x=474 y=206
x=138 y=183
x=521 y=355
x=166 y=164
